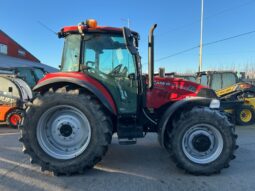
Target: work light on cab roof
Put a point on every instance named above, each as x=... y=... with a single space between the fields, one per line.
x=91 y=23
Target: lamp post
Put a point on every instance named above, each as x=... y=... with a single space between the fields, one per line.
x=201 y=37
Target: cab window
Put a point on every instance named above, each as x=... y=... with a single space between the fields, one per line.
x=228 y=79
x=204 y=80
x=27 y=76
x=216 y=81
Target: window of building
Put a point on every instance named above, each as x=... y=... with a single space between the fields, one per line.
x=21 y=52
x=3 y=48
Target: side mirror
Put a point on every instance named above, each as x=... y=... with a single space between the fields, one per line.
x=129 y=40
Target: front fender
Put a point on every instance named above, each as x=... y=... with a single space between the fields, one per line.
x=175 y=107
x=90 y=84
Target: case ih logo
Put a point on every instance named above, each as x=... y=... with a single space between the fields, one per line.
x=163 y=83
x=187 y=88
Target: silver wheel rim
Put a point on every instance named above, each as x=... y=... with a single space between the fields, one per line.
x=210 y=140
x=63 y=132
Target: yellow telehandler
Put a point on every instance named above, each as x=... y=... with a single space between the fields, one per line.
x=230 y=86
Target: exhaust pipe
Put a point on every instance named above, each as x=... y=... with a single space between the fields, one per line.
x=161 y=72
x=151 y=57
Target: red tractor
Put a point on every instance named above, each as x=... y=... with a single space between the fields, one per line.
x=101 y=90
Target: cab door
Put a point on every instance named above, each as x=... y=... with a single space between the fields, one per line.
x=107 y=59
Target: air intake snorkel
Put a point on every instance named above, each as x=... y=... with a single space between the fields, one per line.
x=151 y=57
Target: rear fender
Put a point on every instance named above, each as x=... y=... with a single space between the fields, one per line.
x=91 y=85
x=177 y=107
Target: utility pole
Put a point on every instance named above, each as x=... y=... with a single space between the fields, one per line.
x=201 y=37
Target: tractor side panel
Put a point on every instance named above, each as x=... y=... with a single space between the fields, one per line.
x=170 y=90
x=82 y=80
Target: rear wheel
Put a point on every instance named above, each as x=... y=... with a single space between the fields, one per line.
x=14 y=118
x=245 y=115
x=202 y=141
x=66 y=132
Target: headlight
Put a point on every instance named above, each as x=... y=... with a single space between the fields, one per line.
x=215 y=104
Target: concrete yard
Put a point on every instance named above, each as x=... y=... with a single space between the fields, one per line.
x=144 y=166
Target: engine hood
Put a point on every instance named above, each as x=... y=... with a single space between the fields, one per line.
x=168 y=89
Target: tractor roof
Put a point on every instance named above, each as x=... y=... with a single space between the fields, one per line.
x=89 y=26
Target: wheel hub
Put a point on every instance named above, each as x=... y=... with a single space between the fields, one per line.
x=15 y=119
x=63 y=132
x=246 y=115
x=201 y=143
x=66 y=130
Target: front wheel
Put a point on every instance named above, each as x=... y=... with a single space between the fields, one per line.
x=245 y=115
x=202 y=141
x=66 y=133
x=14 y=118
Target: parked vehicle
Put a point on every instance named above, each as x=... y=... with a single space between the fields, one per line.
x=29 y=74
x=14 y=92
x=101 y=90
x=230 y=87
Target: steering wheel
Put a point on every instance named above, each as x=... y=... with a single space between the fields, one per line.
x=86 y=67
x=115 y=71
x=97 y=71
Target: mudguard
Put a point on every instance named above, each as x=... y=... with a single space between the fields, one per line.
x=177 y=106
x=83 y=81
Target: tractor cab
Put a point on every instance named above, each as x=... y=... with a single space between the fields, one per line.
x=103 y=55
x=217 y=79
x=225 y=83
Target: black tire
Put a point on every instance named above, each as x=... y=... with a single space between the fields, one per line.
x=242 y=118
x=199 y=131
x=100 y=134
x=14 y=123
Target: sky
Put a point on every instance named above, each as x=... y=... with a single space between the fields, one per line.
x=178 y=28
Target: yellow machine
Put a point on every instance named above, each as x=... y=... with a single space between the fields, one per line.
x=241 y=86
x=229 y=87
